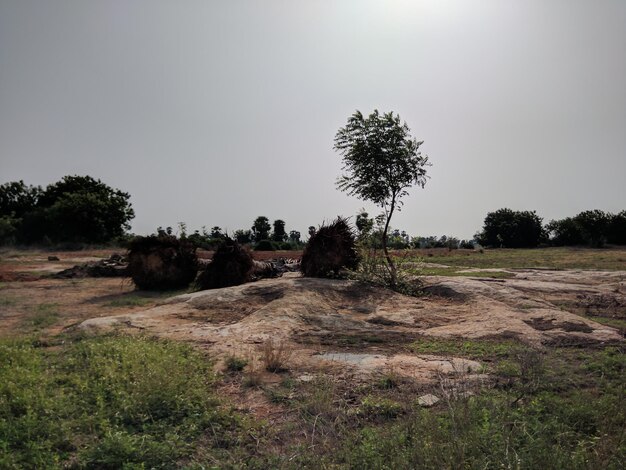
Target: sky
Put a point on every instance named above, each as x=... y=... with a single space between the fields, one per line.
x=216 y=112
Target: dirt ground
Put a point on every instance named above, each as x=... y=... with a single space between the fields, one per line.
x=322 y=325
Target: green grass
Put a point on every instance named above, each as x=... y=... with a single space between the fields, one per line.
x=129 y=302
x=554 y=258
x=472 y=349
x=455 y=271
x=45 y=315
x=559 y=409
x=140 y=298
x=109 y=402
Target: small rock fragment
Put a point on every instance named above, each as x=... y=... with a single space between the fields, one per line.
x=427 y=400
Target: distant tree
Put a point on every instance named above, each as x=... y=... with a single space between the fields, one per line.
x=593 y=226
x=216 y=232
x=564 y=232
x=243 y=236
x=312 y=231
x=511 y=229
x=16 y=198
x=364 y=224
x=77 y=209
x=279 y=234
x=381 y=162
x=617 y=229
x=294 y=236
x=261 y=228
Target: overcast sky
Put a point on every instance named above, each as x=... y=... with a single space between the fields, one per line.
x=213 y=113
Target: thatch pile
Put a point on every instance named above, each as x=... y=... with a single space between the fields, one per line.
x=162 y=262
x=114 y=266
x=330 y=250
x=232 y=265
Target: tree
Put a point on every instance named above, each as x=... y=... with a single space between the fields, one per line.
x=593 y=226
x=74 y=209
x=16 y=198
x=294 y=236
x=261 y=228
x=312 y=231
x=381 y=162
x=564 y=232
x=363 y=224
x=617 y=229
x=216 y=232
x=279 y=234
x=84 y=209
x=243 y=236
x=511 y=229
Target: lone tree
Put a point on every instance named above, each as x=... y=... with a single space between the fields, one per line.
x=381 y=161
x=261 y=228
x=279 y=234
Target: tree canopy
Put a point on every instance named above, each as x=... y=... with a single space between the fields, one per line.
x=511 y=229
x=74 y=209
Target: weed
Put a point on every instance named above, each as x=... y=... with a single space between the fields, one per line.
x=373 y=407
x=474 y=349
x=129 y=301
x=275 y=356
x=235 y=363
x=6 y=301
x=106 y=403
x=252 y=378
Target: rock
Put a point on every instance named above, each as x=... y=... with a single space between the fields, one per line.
x=53 y=258
x=427 y=400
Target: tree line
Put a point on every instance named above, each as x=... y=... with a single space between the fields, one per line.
x=261 y=236
x=506 y=228
x=81 y=209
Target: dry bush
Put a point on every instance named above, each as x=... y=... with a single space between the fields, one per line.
x=330 y=250
x=231 y=265
x=162 y=262
x=275 y=356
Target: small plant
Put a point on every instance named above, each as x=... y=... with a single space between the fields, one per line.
x=235 y=363
x=275 y=356
x=389 y=380
x=252 y=377
x=373 y=269
x=377 y=407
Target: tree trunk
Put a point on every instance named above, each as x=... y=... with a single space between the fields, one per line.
x=391 y=265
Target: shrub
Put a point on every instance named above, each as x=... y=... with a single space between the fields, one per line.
x=329 y=250
x=236 y=363
x=265 y=245
x=162 y=262
x=275 y=356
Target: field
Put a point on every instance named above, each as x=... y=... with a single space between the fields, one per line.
x=509 y=358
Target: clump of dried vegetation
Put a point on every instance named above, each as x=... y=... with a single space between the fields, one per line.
x=162 y=262
x=330 y=250
x=231 y=265
x=275 y=356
